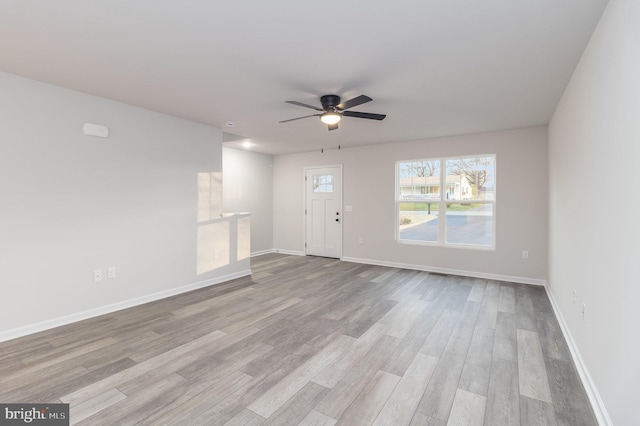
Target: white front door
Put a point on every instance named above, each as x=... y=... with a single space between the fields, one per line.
x=323 y=209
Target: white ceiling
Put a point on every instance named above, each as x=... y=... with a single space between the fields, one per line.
x=434 y=67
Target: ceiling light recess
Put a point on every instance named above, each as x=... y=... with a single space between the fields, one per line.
x=331 y=117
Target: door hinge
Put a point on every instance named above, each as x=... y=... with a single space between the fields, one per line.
x=305 y=245
x=305 y=211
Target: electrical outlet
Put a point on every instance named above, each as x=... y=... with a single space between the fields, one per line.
x=360 y=240
x=575 y=294
x=525 y=254
x=584 y=312
x=111 y=272
x=97 y=275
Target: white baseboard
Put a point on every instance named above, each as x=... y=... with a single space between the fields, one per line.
x=290 y=252
x=597 y=404
x=448 y=271
x=279 y=251
x=79 y=316
x=261 y=252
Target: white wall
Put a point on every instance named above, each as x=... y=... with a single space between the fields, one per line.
x=594 y=244
x=73 y=203
x=248 y=187
x=369 y=186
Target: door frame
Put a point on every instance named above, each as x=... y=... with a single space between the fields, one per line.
x=341 y=202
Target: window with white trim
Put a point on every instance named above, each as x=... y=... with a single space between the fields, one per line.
x=447 y=201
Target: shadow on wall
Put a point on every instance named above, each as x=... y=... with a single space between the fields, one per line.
x=222 y=238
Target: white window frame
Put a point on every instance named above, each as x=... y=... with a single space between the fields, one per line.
x=442 y=203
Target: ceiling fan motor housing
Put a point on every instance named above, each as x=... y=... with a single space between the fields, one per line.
x=329 y=102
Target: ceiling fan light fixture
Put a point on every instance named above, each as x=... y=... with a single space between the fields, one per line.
x=330 y=118
x=333 y=110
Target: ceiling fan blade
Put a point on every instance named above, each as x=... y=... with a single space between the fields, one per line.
x=333 y=126
x=299 y=118
x=359 y=100
x=367 y=115
x=304 y=105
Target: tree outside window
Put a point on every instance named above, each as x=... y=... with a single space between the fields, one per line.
x=467 y=203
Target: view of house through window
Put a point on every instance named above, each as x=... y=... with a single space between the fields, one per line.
x=323 y=183
x=447 y=201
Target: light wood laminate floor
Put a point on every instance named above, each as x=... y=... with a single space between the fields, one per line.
x=311 y=341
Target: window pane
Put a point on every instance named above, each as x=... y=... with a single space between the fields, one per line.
x=469 y=223
x=419 y=180
x=418 y=221
x=471 y=178
x=323 y=183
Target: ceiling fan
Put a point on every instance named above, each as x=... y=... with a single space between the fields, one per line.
x=333 y=110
